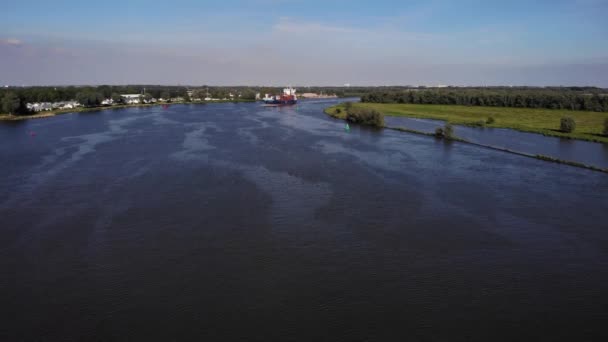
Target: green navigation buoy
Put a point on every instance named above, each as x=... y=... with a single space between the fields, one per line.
x=347 y=128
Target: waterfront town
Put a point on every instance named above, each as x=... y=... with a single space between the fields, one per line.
x=128 y=99
x=198 y=95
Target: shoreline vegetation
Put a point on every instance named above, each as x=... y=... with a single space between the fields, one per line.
x=31 y=102
x=51 y=113
x=341 y=112
x=590 y=126
x=569 y=98
x=46 y=101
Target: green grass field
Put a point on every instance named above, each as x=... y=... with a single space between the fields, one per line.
x=589 y=125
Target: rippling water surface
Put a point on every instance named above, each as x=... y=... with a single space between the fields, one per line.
x=236 y=221
x=586 y=152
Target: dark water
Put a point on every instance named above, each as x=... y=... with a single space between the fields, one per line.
x=589 y=153
x=239 y=222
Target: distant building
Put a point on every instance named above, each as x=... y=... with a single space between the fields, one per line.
x=131 y=98
x=71 y=105
x=40 y=106
x=46 y=106
x=317 y=96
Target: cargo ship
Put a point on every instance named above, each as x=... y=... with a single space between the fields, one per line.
x=287 y=98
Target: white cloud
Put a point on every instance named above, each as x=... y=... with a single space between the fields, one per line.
x=11 y=42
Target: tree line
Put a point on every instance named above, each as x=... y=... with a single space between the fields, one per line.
x=67 y=93
x=14 y=100
x=588 y=99
x=571 y=98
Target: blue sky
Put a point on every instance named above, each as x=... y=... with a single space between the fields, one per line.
x=275 y=42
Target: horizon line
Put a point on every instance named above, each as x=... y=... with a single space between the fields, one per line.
x=6 y=86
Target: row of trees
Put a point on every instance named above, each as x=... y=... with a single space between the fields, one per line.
x=55 y=94
x=90 y=98
x=92 y=94
x=14 y=100
x=505 y=97
x=357 y=91
x=10 y=103
x=555 y=97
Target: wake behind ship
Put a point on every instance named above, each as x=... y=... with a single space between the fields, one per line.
x=287 y=98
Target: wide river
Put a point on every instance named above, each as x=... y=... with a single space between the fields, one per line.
x=243 y=222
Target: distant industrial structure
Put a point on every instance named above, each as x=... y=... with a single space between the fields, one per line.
x=318 y=96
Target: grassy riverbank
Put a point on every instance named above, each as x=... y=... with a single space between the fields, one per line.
x=589 y=125
x=51 y=113
x=340 y=112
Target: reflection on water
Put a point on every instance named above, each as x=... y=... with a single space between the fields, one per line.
x=232 y=221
